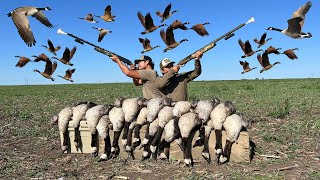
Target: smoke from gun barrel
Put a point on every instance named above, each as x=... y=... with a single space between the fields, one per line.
x=60 y=32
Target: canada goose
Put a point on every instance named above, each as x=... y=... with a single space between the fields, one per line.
x=178 y=24
x=68 y=75
x=147 y=23
x=199 y=28
x=102 y=33
x=41 y=57
x=146 y=45
x=168 y=39
x=290 y=53
x=20 y=20
x=108 y=17
x=273 y=50
x=67 y=56
x=262 y=40
x=49 y=70
x=296 y=23
x=166 y=14
x=51 y=48
x=89 y=18
x=22 y=61
x=264 y=62
x=245 y=66
x=246 y=48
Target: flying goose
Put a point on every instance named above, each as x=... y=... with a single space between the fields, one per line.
x=262 y=40
x=178 y=25
x=20 y=20
x=273 y=50
x=49 y=70
x=246 y=48
x=102 y=33
x=89 y=18
x=166 y=14
x=146 y=45
x=108 y=17
x=68 y=75
x=168 y=39
x=200 y=29
x=41 y=57
x=147 y=23
x=290 y=53
x=22 y=61
x=295 y=24
x=264 y=62
x=245 y=66
x=51 y=48
x=67 y=56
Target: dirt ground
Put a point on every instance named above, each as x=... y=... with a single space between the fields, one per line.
x=41 y=158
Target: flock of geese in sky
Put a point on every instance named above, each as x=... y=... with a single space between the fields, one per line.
x=20 y=19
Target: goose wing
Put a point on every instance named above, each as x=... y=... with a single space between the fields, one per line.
x=260 y=59
x=141 y=18
x=66 y=55
x=102 y=34
x=22 y=24
x=42 y=57
x=167 y=11
x=241 y=45
x=302 y=11
x=107 y=11
x=22 y=61
x=163 y=36
x=146 y=43
x=89 y=17
x=51 y=47
x=248 y=48
x=48 y=69
x=148 y=21
x=73 y=50
x=263 y=37
x=294 y=25
x=69 y=73
x=265 y=59
x=42 y=18
x=178 y=24
x=170 y=36
x=54 y=67
x=200 y=29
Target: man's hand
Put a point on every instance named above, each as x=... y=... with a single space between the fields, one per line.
x=114 y=58
x=176 y=68
x=197 y=55
x=132 y=66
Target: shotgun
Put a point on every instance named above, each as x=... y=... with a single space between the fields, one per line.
x=213 y=43
x=97 y=48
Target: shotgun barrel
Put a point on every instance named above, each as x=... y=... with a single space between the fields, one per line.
x=212 y=44
x=97 y=48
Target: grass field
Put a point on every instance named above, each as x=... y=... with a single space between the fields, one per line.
x=284 y=118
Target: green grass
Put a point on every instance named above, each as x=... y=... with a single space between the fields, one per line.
x=281 y=113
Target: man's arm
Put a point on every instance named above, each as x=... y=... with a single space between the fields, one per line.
x=163 y=81
x=128 y=72
x=137 y=82
x=197 y=69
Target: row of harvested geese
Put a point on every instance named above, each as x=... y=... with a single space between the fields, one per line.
x=163 y=117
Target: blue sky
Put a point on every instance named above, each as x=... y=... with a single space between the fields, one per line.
x=220 y=63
